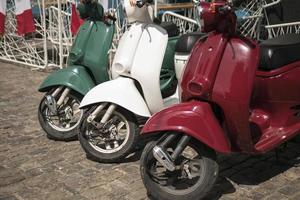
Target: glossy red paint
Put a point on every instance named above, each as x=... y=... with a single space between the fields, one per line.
x=214 y=20
x=277 y=94
x=193 y=118
x=233 y=88
x=260 y=109
x=203 y=65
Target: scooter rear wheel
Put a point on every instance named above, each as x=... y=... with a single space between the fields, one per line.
x=166 y=185
x=58 y=129
x=98 y=144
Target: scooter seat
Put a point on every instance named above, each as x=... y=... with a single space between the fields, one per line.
x=280 y=51
x=171 y=28
x=187 y=41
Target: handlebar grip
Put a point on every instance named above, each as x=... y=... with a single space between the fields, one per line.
x=224 y=9
x=112 y=18
x=140 y=4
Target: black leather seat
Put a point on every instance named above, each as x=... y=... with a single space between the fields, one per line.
x=171 y=28
x=280 y=51
x=187 y=41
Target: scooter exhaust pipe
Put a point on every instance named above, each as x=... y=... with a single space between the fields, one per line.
x=163 y=157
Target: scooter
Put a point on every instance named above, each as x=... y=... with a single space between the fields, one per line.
x=110 y=126
x=238 y=96
x=88 y=65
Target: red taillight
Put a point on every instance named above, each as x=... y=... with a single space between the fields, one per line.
x=195 y=88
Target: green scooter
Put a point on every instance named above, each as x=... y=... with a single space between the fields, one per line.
x=88 y=65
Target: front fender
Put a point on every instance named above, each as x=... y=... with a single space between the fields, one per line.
x=195 y=119
x=74 y=77
x=121 y=91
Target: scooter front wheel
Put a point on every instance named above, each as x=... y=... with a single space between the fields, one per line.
x=63 y=124
x=195 y=173
x=111 y=141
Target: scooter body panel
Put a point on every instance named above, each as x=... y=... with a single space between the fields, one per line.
x=74 y=77
x=121 y=91
x=276 y=106
x=193 y=118
x=146 y=69
x=202 y=67
x=127 y=48
x=233 y=90
x=91 y=49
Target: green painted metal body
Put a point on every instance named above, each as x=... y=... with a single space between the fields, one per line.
x=75 y=77
x=88 y=59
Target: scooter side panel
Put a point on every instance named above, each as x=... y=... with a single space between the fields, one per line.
x=233 y=90
x=121 y=91
x=74 y=77
x=277 y=95
x=147 y=64
x=193 y=118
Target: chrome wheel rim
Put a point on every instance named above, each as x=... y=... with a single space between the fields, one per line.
x=68 y=117
x=100 y=143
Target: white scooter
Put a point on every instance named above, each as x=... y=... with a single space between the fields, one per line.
x=115 y=109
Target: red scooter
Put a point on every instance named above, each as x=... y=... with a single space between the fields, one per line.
x=238 y=96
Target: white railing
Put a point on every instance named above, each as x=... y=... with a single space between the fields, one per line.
x=252 y=25
x=281 y=29
x=185 y=24
x=50 y=45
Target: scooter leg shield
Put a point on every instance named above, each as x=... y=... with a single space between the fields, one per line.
x=122 y=92
x=195 y=119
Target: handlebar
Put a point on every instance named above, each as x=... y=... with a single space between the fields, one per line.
x=140 y=3
x=224 y=9
x=111 y=14
x=113 y=18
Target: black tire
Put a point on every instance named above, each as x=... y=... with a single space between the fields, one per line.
x=204 y=185
x=117 y=156
x=52 y=133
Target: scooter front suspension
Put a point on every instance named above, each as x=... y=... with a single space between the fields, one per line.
x=183 y=142
x=63 y=96
x=57 y=91
x=163 y=157
x=50 y=100
x=96 y=112
x=108 y=113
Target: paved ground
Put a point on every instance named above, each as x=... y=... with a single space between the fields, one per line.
x=33 y=167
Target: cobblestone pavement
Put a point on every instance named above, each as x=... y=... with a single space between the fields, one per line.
x=33 y=167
